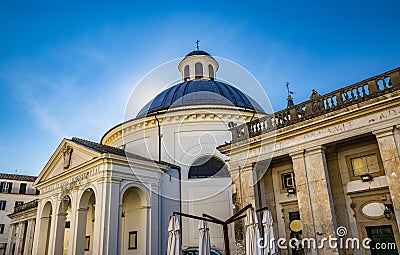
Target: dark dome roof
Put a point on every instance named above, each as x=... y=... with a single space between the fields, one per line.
x=197 y=52
x=200 y=92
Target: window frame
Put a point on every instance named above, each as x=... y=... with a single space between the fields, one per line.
x=3 y=205
x=201 y=69
x=284 y=180
x=208 y=161
x=353 y=176
x=132 y=234
x=23 y=184
x=186 y=72
x=87 y=243
x=211 y=74
x=6 y=187
x=19 y=203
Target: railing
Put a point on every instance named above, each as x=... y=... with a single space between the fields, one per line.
x=320 y=104
x=26 y=206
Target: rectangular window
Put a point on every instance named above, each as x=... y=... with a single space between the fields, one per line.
x=87 y=243
x=1 y=228
x=132 y=240
x=2 y=205
x=6 y=187
x=365 y=164
x=287 y=180
x=22 y=188
x=18 y=203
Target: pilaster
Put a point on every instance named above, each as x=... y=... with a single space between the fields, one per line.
x=314 y=197
x=19 y=243
x=303 y=194
x=10 y=239
x=59 y=233
x=391 y=164
x=30 y=230
x=80 y=230
x=108 y=213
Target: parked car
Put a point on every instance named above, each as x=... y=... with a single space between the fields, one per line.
x=195 y=251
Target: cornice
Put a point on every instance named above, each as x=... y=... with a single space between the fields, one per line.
x=174 y=117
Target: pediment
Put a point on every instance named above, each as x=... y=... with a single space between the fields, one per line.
x=66 y=157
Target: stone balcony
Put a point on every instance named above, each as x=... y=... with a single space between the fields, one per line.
x=320 y=104
x=26 y=206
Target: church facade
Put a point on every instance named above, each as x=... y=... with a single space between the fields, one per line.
x=204 y=146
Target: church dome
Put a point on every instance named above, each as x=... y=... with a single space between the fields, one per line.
x=199 y=87
x=197 y=53
x=200 y=92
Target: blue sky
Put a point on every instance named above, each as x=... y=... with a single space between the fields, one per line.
x=67 y=68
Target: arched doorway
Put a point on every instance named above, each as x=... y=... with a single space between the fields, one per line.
x=133 y=222
x=85 y=223
x=44 y=228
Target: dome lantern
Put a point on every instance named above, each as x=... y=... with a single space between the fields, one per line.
x=198 y=65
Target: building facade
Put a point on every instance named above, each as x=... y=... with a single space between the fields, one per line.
x=15 y=190
x=329 y=162
x=326 y=167
x=22 y=229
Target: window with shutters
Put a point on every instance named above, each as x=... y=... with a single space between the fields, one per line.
x=6 y=187
x=22 y=188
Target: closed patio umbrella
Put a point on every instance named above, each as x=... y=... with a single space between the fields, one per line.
x=174 y=247
x=204 y=238
x=252 y=233
x=269 y=247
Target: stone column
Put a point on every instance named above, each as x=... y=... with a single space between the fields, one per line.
x=29 y=237
x=391 y=163
x=59 y=233
x=10 y=239
x=303 y=195
x=73 y=222
x=80 y=229
x=315 y=199
x=244 y=195
x=148 y=230
x=107 y=241
x=43 y=235
x=19 y=244
x=35 y=243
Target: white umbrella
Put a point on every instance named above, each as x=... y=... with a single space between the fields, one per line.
x=204 y=238
x=173 y=238
x=252 y=233
x=269 y=235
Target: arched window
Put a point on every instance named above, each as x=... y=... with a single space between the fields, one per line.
x=198 y=67
x=207 y=166
x=186 y=72
x=211 y=72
